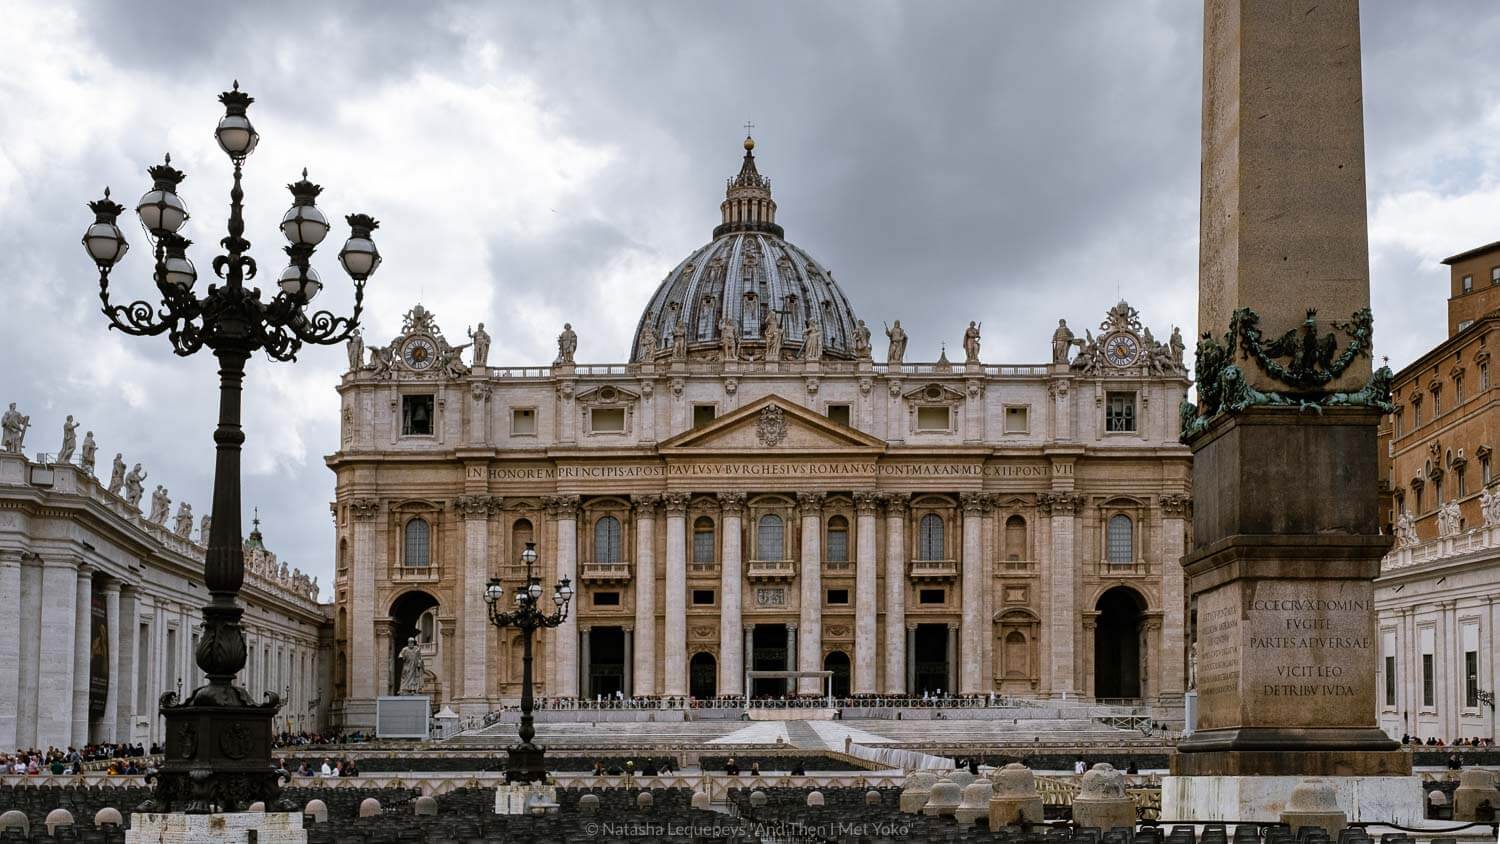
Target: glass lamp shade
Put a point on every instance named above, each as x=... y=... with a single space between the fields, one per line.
x=359 y=257
x=529 y=555
x=300 y=284
x=305 y=225
x=557 y=597
x=566 y=589
x=179 y=272
x=535 y=590
x=494 y=592
x=161 y=211
x=520 y=598
x=105 y=244
x=236 y=136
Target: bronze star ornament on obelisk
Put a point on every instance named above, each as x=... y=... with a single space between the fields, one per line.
x=1286 y=538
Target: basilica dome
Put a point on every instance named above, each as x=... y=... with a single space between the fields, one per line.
x=745 y=278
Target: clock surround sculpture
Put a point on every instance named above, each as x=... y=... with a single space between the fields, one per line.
x=218 y=740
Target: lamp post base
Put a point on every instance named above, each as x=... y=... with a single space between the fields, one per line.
x=526 y=763
x=217 y=759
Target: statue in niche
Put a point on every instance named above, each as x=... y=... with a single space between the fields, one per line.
x=897 y=350
x=135 y=486
x=205 y=528
x=679 y=342
x=971 y=342
x=861 y=341
x=184 y=520
x=567 y=344
x=355 y=349
x=647 y=348
x=1063 y=342
x=117 y=475
x=69 y=441
x=89 y=453
x=812 y=341
x=729 y=339
x=480 y=340
x=14 y=426
x=773 y=337
x=412 y=668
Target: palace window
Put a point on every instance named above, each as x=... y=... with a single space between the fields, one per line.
x=1484 y=470
x=343 y=556
x=932 y=596
x=703 y=540
x=930 y=537
x=1119 y=414
x=418 y=544
x=606 y=599
x=607 y=420
x=1470 y=640
x=1437 y=402
x=839 y=413
x=769 y=534
x=1120 y=540
x=838 y=597
x=607 y=540
x=838 y=540
x=416 y=416
x=1458 y=474
x=1458 y=391
x=704 y=414
x=703 y=597
x=1494 y=275
x=1468 y=283
x=1017 y=421
x=1484 y=376
x=933 y=418
x=523 y=422
x=1427 y=637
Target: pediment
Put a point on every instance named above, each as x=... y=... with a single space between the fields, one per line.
x=772 y=424
x=934 y=393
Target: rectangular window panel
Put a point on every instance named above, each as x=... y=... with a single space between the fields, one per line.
x=839 y=413
x=1390 y=681
x=1468 y=283
x=1427 y=699
x=932 y=419
x=523 y=422
x=838 y=546
x=1471 y=679
x=703 y=597
x=703 y=546
x=607 y=420
x=1120 y=413
x=932 y=596
x=704 y=414
x=838 y=597
x=1016 y=421
x=606 y=599
x=416 y=416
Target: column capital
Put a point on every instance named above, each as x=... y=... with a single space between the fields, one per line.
x=973 y=503
x=645 y=505
x=364 y=509
x=896 y=503
x=1176 y=505
x=810 y=503
x=11 y=557
x=111 y=586
x=1059 y=503
x=478 y=506
x=911 y=627
x=675 y=503
x=792 y=626
x=561 y=506
x=731 y=503
x=865 y=503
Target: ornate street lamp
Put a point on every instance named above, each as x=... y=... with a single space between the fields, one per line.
x=218 y=740
x=526 y=763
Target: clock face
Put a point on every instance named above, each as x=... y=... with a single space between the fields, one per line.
x=1121 y=349
x=419 y=353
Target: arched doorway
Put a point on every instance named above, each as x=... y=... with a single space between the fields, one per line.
x=413 y=616
x=838 y=663
x=1117 y=644
x=703 y=676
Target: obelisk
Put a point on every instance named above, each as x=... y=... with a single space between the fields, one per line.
x=1286 y=537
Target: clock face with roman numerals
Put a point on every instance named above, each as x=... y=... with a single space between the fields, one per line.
x=419 y=353
x=1122 y=349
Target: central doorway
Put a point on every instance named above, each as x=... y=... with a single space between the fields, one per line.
x=703 y=676
x=768 y=646
x=606 y=661
x=931 y=659
x=1117 y=644
x=838 y=663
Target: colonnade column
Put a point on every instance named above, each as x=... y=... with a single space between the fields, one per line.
x=676 y=597
x=10 y=647
x=83 y=617
x=749 y=652
x=731 y=603
x=911 y=665
x=791 y=648
x=626 y=664
x=969 y=682
x=1062 y=615
x=1174 y=609
x=363 y=512
x=476 y=511
x=30 y=633
x=125 y=667
x=108 y=725
x=59 y=620
x=810 y=620
x=565 y=639
x=585 y=689
x=644 y=679
x=896 y=638
x=953 y=638
x=864 y=594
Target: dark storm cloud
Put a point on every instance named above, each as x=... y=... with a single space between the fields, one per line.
x=535 y=162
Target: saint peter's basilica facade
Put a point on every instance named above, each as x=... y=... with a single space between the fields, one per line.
x=755 y=491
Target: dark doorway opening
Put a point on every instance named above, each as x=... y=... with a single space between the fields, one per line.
x=768 y=646
x=1117 y=644
x=838 y=663
x=413 y=616
x=606 y=661
x=703 y=676
x=931 y=659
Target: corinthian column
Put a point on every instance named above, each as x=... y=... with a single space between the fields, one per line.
x=10 y=647
x=810 y=620
x=82 y=626
x=731 y=643
x=676 y=589
x=644 y=669
x=54 y=708
x=1062 y=616
x=1174 y=610
x=895 y=593
x=108 y=725
x=970 y=633
x=564 y=511
x=362 y=657
x=864 y=593
x=476 y=511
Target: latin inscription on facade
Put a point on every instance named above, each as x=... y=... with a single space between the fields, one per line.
x=763 y=470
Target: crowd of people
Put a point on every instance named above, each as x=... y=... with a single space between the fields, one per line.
x=121 y=758
x=304 y=739
x=345 y=767
x=1430 y=741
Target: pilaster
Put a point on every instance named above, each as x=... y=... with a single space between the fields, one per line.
x=896 y=638
x=676 y=596
x=645 y=594
x=864 y=682
x=810 y=570
x=731 y=601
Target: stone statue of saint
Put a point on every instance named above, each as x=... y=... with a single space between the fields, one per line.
x=205 y=528
x=861 y=341
x=356 y=350
x=971 y=342
x=412 y=674
x=729 y=339
x=135 y=486
x=1176 y=345
x=184 y=520
x=812 y=341
x=117 y=475
x=481 y=342
x=14 y=426
x=1193 y=667
x=897 y=349
x=70 y=441
x=647 y=349
x=88 y=455
x=161 y=505
x=380 y=359
x=567 y=344
x=773 y=337
x=679 y=342
x=1062 y=342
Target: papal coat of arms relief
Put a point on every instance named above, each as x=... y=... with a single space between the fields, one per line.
x=771 y=428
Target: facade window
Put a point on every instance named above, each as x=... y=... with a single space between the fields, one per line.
x=1458 y=393
x=1484 y=470
x=1015 y=538
x=607 y=540
x=1484 y=376
x=523 y=422
x=704 y=414
x=1427 y=699
x=1437 y=403
x=1119 y=416
x=1398 y=423
x=932 y=596
x=416 y=416
x=1416 y=416
x=1458 y=475
x=838 y=597
x=839 y=413
x=1494 y=275
x=930 y=537
x=520 y=534
x=838 y=540
x=343 y=558
x=1417 y=496
x=606 y=599
x=1016 y=421
x=703 y=540
x=1120 y=540
x=1465 y=324
x=418 y=544
x=769 y=532
x=1390 y=681
x=703 y=597
x=933 y=418
x=607 y=420
x=1468 y=283
x=1471 y=679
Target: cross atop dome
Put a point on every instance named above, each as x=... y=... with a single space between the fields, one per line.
x=747 y=205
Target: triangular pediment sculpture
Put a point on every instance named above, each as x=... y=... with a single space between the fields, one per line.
x=772 y=424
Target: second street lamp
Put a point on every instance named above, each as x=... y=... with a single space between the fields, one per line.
x=526 y=759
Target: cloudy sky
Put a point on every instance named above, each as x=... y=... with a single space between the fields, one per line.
x=532 y=163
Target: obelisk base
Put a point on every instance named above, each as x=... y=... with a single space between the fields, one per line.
x=233 y=828
x=1204 y=799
